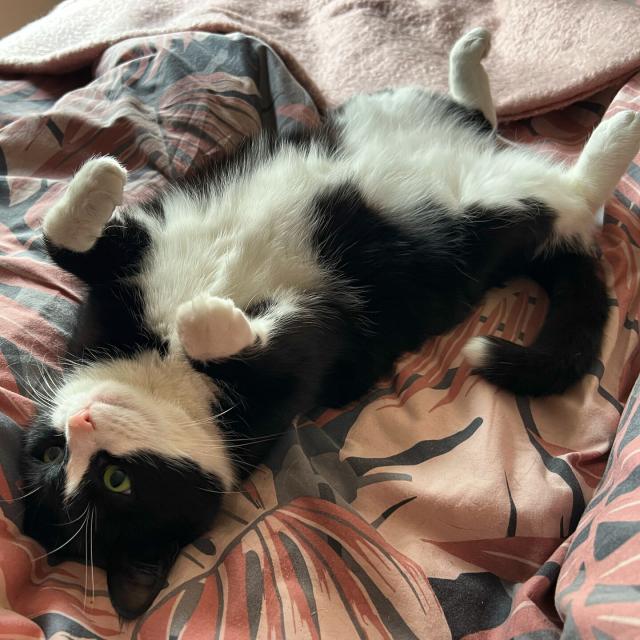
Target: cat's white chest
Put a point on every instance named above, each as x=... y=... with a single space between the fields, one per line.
x=248 y=243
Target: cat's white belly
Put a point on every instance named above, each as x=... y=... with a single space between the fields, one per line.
x=248 y=243
x=403 y=151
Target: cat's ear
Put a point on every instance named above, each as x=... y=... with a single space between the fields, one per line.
x=134 y=582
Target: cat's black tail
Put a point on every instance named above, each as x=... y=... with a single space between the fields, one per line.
x=570 y=339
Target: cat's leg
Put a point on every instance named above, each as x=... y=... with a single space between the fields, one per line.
x=608 y=153
x=577 y=295
x=213 y=328
x=520 y=178
x=468 y=80
x=591 y=181
x=84 y=232
x=76 y=221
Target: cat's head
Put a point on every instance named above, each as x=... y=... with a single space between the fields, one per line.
x=126 y=465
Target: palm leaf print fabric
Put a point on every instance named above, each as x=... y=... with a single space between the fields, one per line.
x=435 y=507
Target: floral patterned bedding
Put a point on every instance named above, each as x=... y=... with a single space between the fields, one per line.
x=435 y=507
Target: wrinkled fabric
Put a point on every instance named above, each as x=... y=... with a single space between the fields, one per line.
x=435 y=507
x=546 y=54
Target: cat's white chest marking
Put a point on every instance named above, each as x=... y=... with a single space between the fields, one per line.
x=247 y=243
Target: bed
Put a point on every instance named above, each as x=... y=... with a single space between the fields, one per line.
x=435 y=507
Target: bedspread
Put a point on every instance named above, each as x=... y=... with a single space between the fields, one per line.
x=435 y=507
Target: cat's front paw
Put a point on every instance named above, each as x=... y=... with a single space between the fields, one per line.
x=212 y=328
x=76 y=221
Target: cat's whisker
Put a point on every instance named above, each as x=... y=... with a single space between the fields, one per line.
x=224 y=492
x=64 y=524
x=229 y=447
x=27 y=486
x=93 y=584
x=64 y=544
x=246 y=439
x=36 y=393
x=227 y=440
x=219 y=415
x=68 y=501
x=237 y=435
x=22 y=497
x=204 y=421
x=86 y=563
x=50 y=385
x=212 y=447
x=46 y=389
x=248 y=467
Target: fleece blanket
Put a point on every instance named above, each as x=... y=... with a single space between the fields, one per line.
x=546 y=54
x=435 y=507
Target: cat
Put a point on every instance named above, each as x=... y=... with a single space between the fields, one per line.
x=291 y=274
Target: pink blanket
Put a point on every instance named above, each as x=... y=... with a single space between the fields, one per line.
x=546 y=53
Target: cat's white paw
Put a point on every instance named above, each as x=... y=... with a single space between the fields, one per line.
x=472 y=46
x=626 y=119
x=76 y=221
x=211 y=328
x=617 y=135
x=613 y=145
x=468 y=80
x=620 y=133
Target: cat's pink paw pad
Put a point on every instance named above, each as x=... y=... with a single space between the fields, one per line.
x=211 y=328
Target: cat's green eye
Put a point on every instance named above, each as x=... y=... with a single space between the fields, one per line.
x=52 y=454
x=116 y=480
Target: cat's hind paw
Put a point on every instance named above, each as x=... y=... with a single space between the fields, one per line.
x=468 y=80
x=76 y=221
x=472 y=47
x=212 y=328
x=609 y=151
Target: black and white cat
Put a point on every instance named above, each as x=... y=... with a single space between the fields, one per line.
x=288 y=275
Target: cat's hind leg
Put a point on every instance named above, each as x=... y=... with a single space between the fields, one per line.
x=468 y=80
x=591 y=181
x=608 y=153
x=76 y=221
x=571 y=336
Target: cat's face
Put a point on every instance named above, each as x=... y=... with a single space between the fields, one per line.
x=127 y=466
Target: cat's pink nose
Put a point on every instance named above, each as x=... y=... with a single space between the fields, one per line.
x=81 y=421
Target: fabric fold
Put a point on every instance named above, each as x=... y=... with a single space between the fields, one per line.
x=545 y=55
